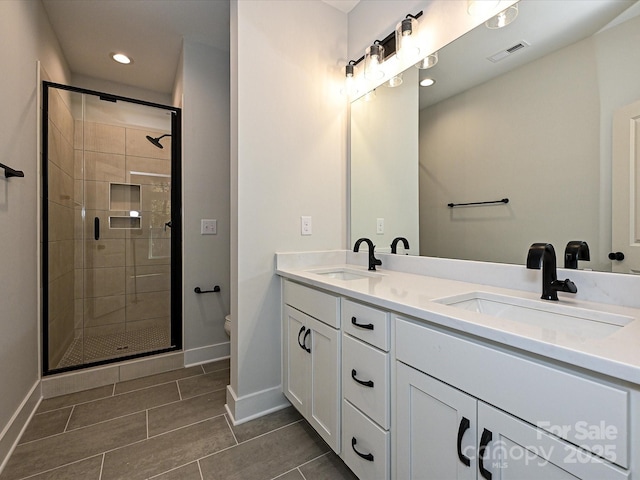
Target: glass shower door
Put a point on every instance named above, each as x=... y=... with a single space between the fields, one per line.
x=119 y=219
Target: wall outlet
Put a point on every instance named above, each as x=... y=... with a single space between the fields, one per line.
x=380 y=226
x=208 y=227
x=305 y=225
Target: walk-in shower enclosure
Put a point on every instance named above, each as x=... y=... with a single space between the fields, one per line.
x=111 y=228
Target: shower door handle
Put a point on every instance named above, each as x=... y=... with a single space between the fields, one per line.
x=96 y=228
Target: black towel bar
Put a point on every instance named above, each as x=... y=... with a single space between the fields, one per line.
x=199 y=290
x=10 y=172
x=504 y=200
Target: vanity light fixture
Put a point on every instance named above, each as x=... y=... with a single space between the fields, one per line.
x=380 y=50
x=504 y=18
x=373 y=59
x=407 y=45
x=121 y=58
x=427 y=82
x=428 y=61
x=478 y=8
x=395 y=81
x=349 y=72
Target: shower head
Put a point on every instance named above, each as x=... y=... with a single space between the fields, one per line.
x=156 y=141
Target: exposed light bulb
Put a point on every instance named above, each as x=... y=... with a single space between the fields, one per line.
x=395 y=81
x=504 y=18
x=407 y=39
x=373 y=58
x=428 y=61
x=478 y=8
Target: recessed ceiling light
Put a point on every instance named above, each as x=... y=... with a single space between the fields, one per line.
x=121 y=58
x=427 y=82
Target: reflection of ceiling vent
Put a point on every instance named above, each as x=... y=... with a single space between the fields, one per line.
x=509 y=51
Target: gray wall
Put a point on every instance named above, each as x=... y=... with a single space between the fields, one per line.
x=205 y=167
x=23 y=24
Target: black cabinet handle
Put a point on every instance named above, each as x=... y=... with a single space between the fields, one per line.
x=304 y=341
x=96 y=228
x=366 y=456
x=464 y=426
x=484 y=441
x=619 y=256
x=300 y=333
x=368 y=383
x=368 y=326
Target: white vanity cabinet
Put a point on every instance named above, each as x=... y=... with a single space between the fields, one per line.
x=311 y=358
x=366 y=390
x=484 y=413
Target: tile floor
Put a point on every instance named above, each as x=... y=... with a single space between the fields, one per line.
x=170 y=426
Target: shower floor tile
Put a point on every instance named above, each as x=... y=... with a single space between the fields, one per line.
x=159 y=436
x=105 y=347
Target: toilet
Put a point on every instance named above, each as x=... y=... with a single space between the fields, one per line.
x=227 y=325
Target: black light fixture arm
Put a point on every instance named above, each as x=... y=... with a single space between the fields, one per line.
x=10 y=172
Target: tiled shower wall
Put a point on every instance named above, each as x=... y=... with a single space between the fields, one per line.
x=61 y=202
x=122 y=280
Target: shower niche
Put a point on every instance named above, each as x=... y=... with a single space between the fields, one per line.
x=111 y=228
x=125 y=198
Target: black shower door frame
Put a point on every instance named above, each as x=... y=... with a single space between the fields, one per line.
x=176 y=227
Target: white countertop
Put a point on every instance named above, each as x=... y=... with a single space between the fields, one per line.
x=616 y=355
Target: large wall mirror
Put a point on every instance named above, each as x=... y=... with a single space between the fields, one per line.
x=523 y=113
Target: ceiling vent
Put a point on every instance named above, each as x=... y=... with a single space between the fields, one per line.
x=509 y=51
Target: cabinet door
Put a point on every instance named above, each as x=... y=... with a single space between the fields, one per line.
x=324 y=377
x=296 y=358
x=515 y=450
x=436 y=428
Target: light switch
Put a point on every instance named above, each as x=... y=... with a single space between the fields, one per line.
x=380 y=226
x=208 y=227
x=305 y=225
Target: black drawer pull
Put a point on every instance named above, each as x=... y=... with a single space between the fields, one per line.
x=368 y=383
x=484 y=441
x=300 y=333
x=366 y=456
x=304 y=341
x=368 y=326
x=464 y=426
x=96 y=228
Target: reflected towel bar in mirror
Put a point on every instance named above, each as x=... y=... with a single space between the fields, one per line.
x=10 y=172
x=492 y=202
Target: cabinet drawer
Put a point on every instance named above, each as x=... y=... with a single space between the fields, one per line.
x=366 y=323
x=360 y=434
x=585 y=412
x=319 y=305
x=364 y=363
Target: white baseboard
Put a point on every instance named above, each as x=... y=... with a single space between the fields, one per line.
x=14 y=429
x=197 y=356
x=249 y=407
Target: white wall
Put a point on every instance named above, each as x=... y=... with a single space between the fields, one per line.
x=290 y=161
x=24 y=27
x=205 y=167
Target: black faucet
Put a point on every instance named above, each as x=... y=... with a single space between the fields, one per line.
x=543 y=254
x=373 y=261
x=394 y=244
x=574 y=251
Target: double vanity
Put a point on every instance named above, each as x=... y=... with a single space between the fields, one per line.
x=409 y=373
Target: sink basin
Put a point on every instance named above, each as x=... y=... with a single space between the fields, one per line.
x=345 y=273
x=577 y=322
